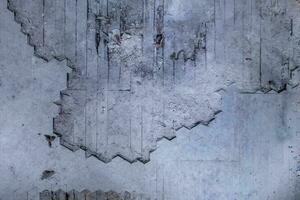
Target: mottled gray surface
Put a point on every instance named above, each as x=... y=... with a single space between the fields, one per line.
x=251 y=151
x=141 y=70
x=130 y=85
x=88 y=195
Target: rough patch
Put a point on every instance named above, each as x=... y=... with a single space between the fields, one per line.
x=86 y=194
x=141 y=70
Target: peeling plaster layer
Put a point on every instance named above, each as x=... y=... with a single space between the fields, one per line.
x=125 y=91
x=142 y=69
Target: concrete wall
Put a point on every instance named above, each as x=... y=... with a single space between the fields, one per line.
x=249 y=152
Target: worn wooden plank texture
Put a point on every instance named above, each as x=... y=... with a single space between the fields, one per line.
x=143 y=69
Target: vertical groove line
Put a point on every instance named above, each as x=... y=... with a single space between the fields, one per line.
x=107 y=84
x=76 y=51
x=163 y=185
x=65 y=28
x=243 y=31
x=260 y=50
x=162 y=55
x=215 y=30
x=76 y=34
x=86 y=47
x=130 y=111
x=163 y=47
x=142 y=129
x=156 y=190
x=251 y=11
x=43 y=23
x=234 y=11
x=55 y=26
x=224 y=28
x=97 y=90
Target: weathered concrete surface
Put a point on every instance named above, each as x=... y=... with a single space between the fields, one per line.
x=251 y=151
x=135 y=77
x=141 y=70
x=88 y=195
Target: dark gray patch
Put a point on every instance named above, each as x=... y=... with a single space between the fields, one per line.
x=50 y=139
x=47 y=174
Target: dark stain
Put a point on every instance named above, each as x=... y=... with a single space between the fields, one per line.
x=159 y=40
x=111 y=195
x=50 y=139
x=67 y=196
x=85 y=194
x=97 y=40
x=276 y=87
x=292 y=27
x=12 y=170
x=100 y=21
x=143 y=71
x=198 y=46
x=47 y=174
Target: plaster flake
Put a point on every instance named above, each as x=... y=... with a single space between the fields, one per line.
x=141 y=70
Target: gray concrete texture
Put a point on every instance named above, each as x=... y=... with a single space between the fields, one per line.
x=88 y=195
x=139 y=74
